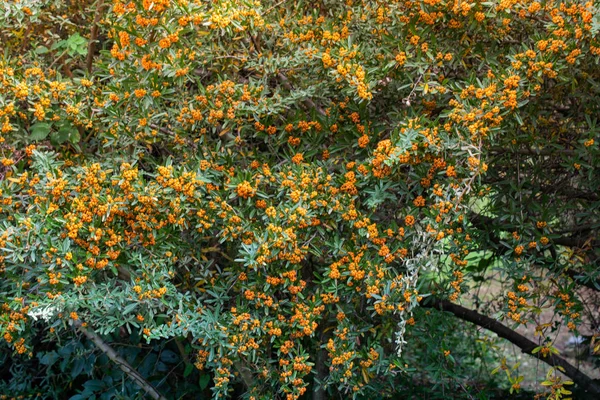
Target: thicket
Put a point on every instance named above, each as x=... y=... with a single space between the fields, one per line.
x=298 y=199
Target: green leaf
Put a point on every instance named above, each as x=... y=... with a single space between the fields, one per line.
x=519 y=119
x=169 y=356
x=74 y=136
x=203 y=381
x=188 y=370
x=65 y=133
x=75 y=40
x=94 y=385
x=49 y=358
x=129 y=308
x=58 y=44
x=76 y=44
x=40 y=131
x=59 y=137
x=41 y=50
x=78 y=367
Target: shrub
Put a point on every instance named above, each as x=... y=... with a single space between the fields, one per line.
x=262 y=194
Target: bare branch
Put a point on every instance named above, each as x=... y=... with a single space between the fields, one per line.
x=117 y=359
x=163 y=130
x=526 y=345
x=93 y=36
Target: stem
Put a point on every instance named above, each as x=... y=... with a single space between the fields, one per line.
x=94 y=36
x=181 y=349
x=245 y=374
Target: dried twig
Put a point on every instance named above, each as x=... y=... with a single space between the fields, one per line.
x=268 y=10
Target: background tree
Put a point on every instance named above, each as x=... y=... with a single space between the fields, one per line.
x=290 y=199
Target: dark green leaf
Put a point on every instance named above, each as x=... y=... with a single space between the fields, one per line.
x=39 y=131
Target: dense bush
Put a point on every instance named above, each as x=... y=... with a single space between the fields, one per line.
x=285 y=199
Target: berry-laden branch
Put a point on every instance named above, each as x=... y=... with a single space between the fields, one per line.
x=526 y=345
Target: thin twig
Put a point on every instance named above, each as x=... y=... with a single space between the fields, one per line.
x=181 y=349
x=273 y=7
x=163 y=130
x=407 y=99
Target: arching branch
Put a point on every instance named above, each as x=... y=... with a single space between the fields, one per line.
x=526 y=345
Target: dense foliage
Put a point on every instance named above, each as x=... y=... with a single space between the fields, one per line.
x=254 y=198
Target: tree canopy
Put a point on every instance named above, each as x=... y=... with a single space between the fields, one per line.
x=297 y=199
